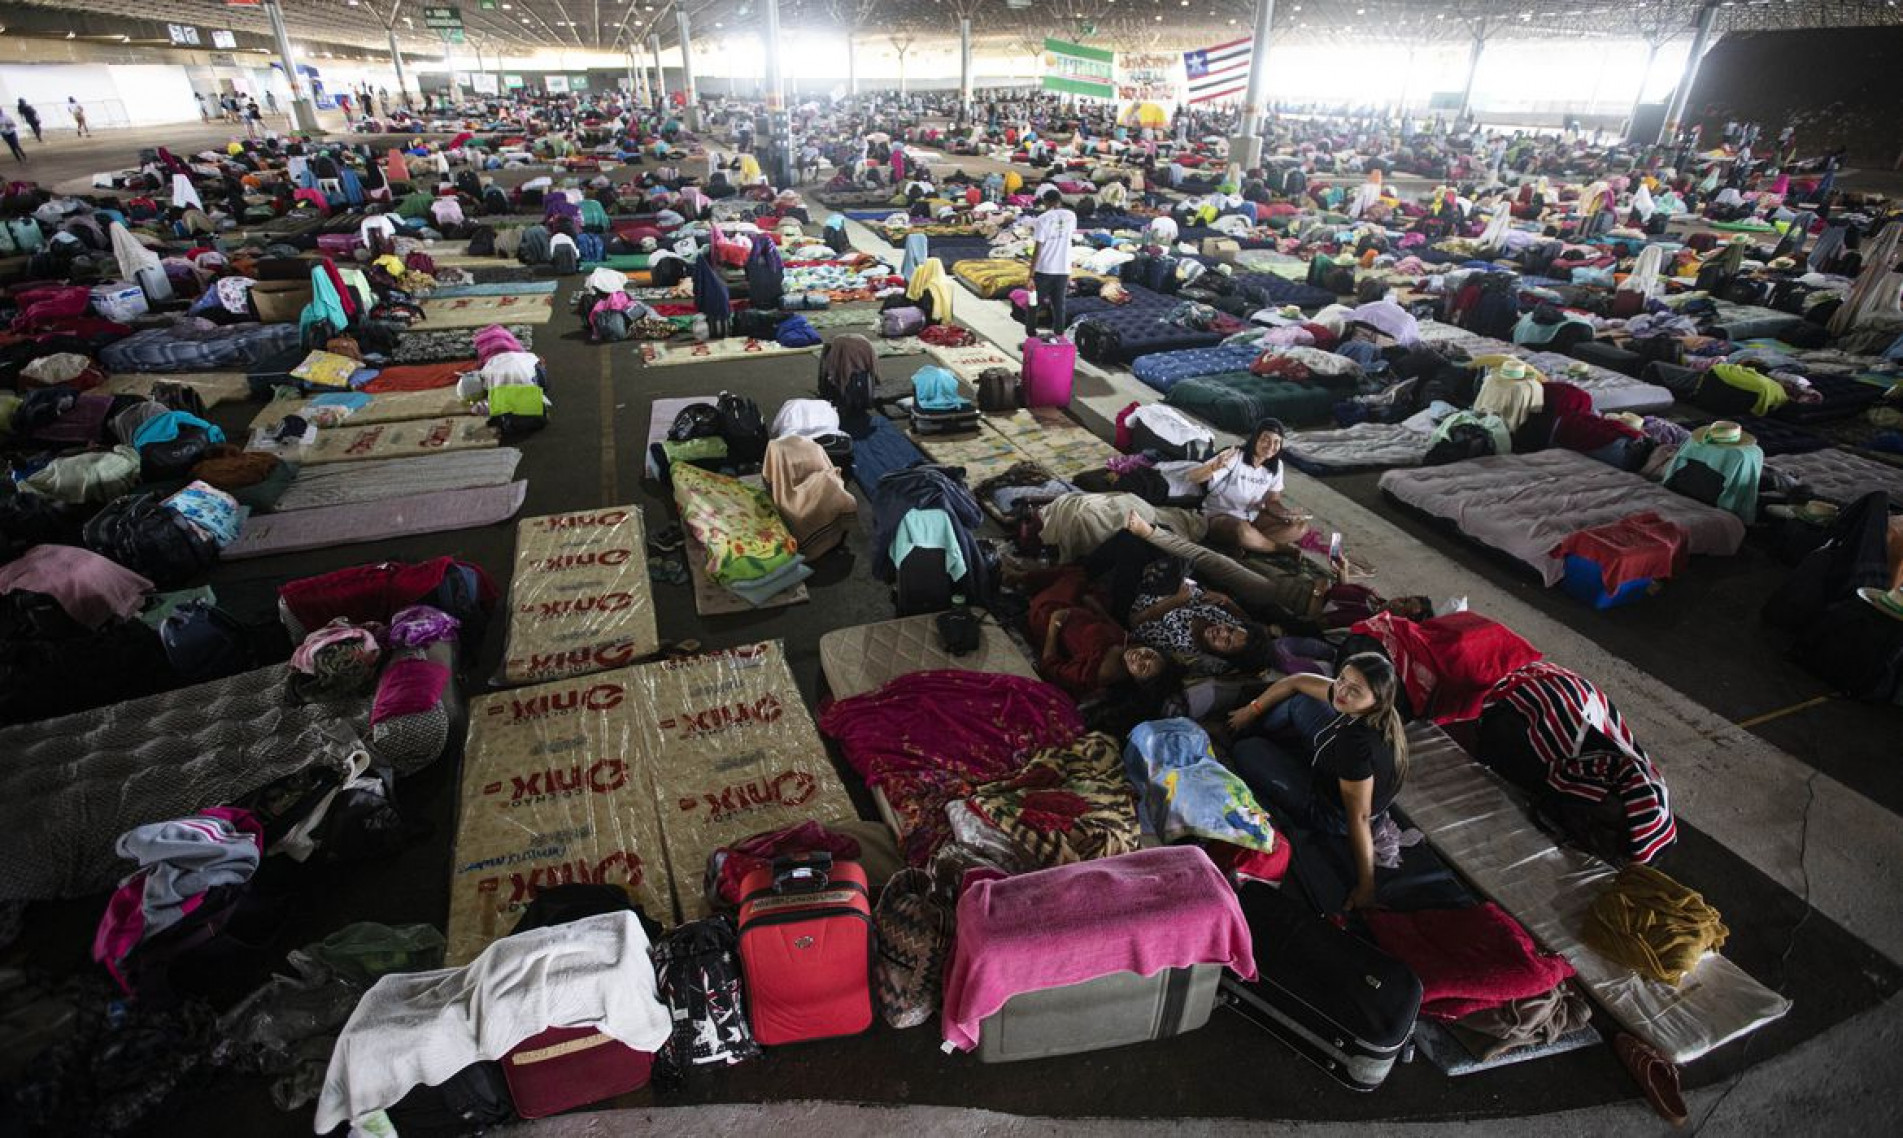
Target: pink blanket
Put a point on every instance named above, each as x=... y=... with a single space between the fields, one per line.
x=1140 y=912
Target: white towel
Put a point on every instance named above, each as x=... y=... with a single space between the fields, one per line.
x=422 y=1027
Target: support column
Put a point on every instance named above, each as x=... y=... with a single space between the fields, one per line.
x=1681 y=95
x=778 y=159
x=688 y=91
x=396 y=60
x=852 y=66
x=449 y=67
x=964 y=62
x=1247 y=150
x=1473 y=72
x=660 y=76
x=634 y=84
x=1638 y=96
x=303 y=111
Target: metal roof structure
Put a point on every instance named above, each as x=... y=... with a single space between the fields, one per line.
x=614 y=26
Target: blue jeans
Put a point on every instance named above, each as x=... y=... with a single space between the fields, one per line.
x=1278 y=765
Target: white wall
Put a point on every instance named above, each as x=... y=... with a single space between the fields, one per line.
x=113 y=94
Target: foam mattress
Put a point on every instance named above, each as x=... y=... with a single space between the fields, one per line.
x=866 y=657
x=1525 y=504
x=1475 y=821
x=1839 y=477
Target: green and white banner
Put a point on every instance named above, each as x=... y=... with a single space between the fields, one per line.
x=1074 y=69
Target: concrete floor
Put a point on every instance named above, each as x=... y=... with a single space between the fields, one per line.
x=1800 y=808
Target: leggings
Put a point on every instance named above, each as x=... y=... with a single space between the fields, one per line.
x=1278 y=765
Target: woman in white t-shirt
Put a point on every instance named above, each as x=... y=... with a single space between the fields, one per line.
x=1243 y=501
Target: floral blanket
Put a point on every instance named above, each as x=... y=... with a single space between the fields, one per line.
x=743 y=533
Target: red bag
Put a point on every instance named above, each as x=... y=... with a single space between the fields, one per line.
x=566 y=1067
x=806 y=949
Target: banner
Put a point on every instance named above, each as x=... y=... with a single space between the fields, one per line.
x=1073 y=69
x=1220 y=72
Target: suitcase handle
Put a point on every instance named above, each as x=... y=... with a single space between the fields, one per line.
x=802 y=873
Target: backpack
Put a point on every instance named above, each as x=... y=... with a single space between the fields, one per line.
x=744 y=428
x=469 y=182
x=482 y=241
x=143 y=535
x=592 y=247
x=997 y=390
x=836 y=239
x=610 y=326
x=668 y=271
x=534 y=249
x=495 y=199
x=697 y=975
x=756 y=325
x=566 y=261
x=695 y=421
x=204 y=642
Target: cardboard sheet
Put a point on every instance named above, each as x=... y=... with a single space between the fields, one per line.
x=580 y=600
x=631 y=778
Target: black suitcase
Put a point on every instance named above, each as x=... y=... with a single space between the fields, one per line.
x=1340 y=1002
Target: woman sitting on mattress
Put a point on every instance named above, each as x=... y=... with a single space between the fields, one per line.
x=1080 y=648
x=1244 y=496
x=1330 y=755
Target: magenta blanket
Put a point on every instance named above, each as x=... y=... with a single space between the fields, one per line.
x=1468 y=960
x=927 y=738
x=1140 y=912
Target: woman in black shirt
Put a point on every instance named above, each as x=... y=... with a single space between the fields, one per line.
x=1330 y=755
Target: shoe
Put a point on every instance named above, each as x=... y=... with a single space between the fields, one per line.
x=1656 y=1077
x=667 y=540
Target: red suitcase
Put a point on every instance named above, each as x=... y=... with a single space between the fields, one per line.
x=568 y=1067
x=806 y=949
x=1050 y=365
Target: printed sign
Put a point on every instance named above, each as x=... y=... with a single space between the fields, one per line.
x=555 y=84
x=1074 y=69
x=442 y=17
x=183 y=35
x=224 y=40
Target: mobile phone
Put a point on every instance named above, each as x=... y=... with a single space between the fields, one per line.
x=1334 y=546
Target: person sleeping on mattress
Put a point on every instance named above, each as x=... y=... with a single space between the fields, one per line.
x=1243 y=502
x=1081 y=648
x=1328 y=755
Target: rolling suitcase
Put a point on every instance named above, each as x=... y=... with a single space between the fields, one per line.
x=1340 y=1002
x=566 y=1067
x=1050 y=366
x=806 y=949
x=1168 y=894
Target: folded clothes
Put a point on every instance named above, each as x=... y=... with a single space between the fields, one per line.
x=1535 y=1021
x=760 y=590
x=1653 y=925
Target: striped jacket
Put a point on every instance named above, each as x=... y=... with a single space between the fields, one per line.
x=1561 y=707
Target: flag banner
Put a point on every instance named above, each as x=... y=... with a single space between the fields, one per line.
x=1074 y=69
x=1220 y=72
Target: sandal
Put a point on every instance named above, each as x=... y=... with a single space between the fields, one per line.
x=667 y=571
x=667 y=541
x=1656 y=1077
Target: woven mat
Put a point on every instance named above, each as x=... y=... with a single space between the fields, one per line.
x=733 y=348
x=481 y=311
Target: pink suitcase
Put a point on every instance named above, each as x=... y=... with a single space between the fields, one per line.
x=1049 y=367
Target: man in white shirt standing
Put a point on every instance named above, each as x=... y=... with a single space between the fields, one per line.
x=1050 y=263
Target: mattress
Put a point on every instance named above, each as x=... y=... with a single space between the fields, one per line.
x=230 y=348
x=1236 y=401
x=1839 y=477
x=1364 y=446
x=1610 y=390
x=1478 y=824
x=579 y=599
x=866 y=657
x=389 y=407
x=992 y=278
x=1275 y=290
x=1749 y=321
x=1140 y=333
x=1164 y=370
x=212 y=387
x=339 y=484
x=70 y=786
x=1843 y=398
x=416 y=438
x=1525 y=504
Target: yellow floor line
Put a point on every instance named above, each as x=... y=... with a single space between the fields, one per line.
x=1781 y=712
x=610 y=469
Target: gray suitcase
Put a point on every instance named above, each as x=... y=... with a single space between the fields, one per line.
x=1110 y=1011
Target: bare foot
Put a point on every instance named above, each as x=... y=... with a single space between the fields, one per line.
x=1136 y=525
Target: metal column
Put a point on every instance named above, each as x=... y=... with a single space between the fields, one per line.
x=634 y=83
x=852 y=66
x=1473 y=72
x=1247 y=152
x=1638 y=96
x=964 y=62
x=449 y=64
x=303 y=111
x=687 y=69
x=779 y=159
x=396 y=59
x=660 y=76
x=1681 y=95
